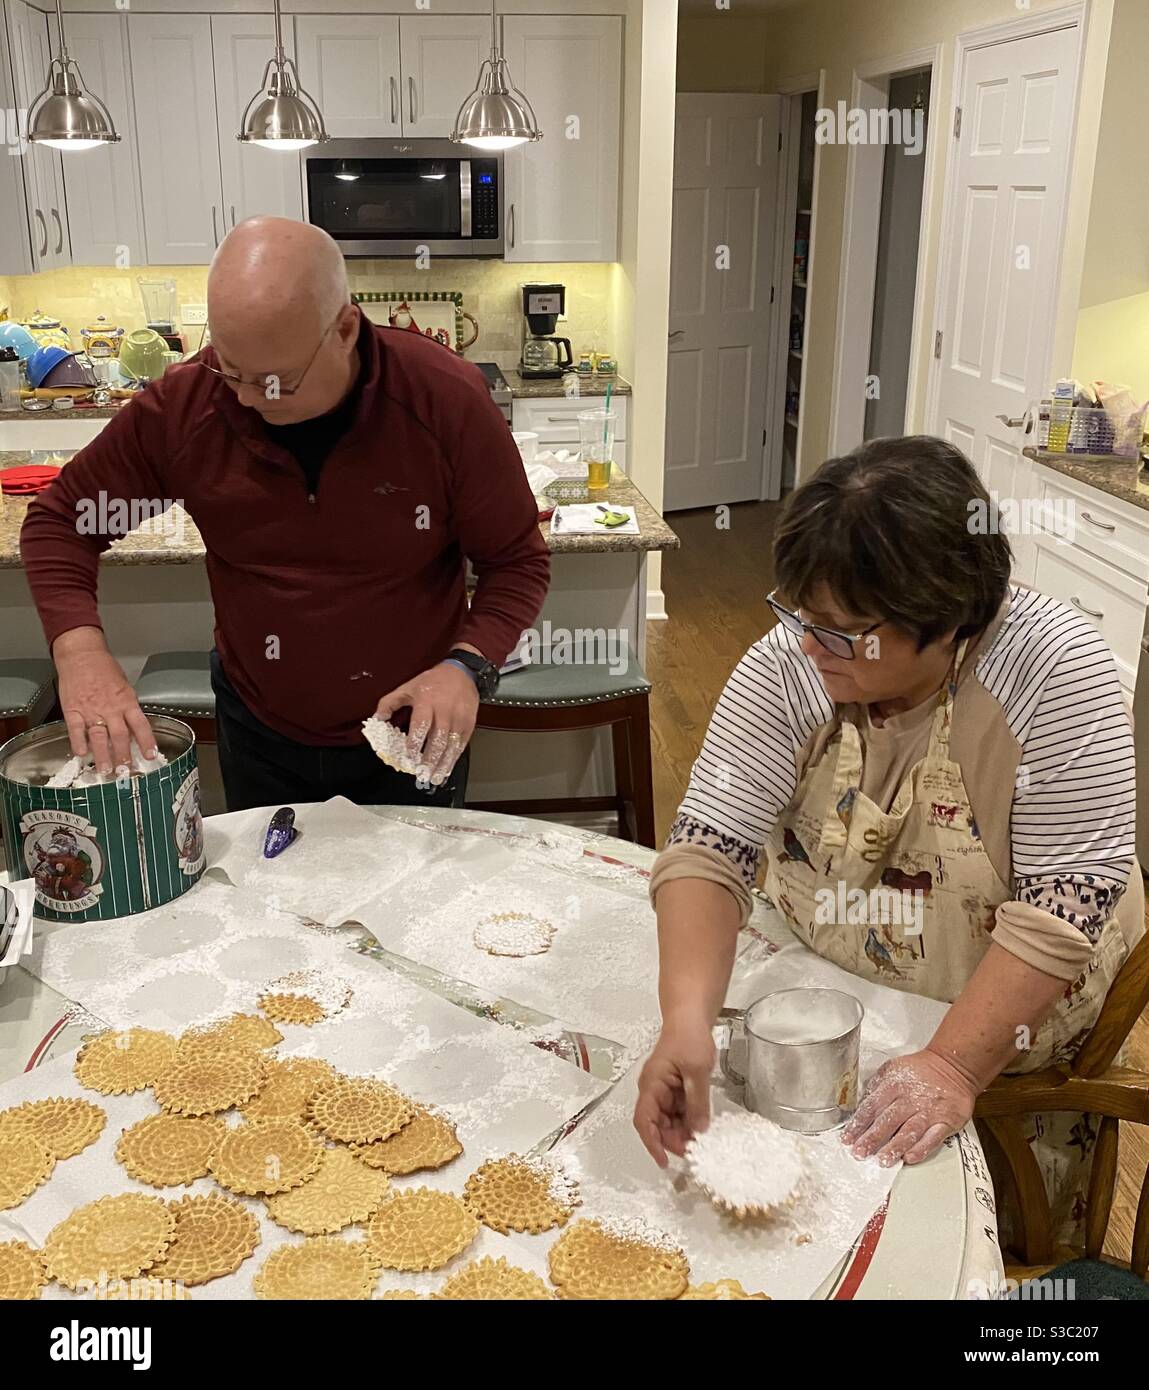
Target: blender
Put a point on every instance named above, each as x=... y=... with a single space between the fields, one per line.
x=544 y=355
x=160 y=311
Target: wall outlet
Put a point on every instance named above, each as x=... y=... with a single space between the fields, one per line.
x=193 y=313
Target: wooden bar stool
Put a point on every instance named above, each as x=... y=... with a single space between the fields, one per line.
x=27 y=694
x=179 y=684
x=563 y=699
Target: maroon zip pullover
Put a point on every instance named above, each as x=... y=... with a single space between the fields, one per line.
x=322 y=604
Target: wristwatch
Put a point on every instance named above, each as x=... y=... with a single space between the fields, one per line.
x=484 y=673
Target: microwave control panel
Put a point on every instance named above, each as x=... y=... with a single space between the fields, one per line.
x=484 y=198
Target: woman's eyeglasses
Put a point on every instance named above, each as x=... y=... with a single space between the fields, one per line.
x=838 y=643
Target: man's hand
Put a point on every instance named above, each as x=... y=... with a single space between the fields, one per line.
x=444 y=706
x=911 y=1105
x=674 y=1089
x=99 y=704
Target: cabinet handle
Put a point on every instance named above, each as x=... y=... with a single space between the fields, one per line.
x=60 y=230
x=411 y=98
x=511 y=221
x=1102 y=525
x=678 y=332
x=232 y=211
x=43 y=249
x=394 y=102
x=559 y=419
x=1081 y=608
x=214 y=226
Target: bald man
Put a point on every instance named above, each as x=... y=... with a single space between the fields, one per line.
x=341 y=475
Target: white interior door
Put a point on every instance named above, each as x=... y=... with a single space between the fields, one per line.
x=255 y=180
x=1004 y=244
x=721 y=319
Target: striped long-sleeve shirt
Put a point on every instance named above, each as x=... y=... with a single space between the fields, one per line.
x=1040 y=729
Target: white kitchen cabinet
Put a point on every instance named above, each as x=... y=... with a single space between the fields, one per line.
x=440 y=57
x=562 y=192
x=255 y=180
x=103 y=185
x=43 y=173
x=15 y=242
x=350 y=65
x=555 y=420
x=177 y=131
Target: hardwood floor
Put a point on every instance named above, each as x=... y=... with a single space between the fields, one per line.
x=716 y=587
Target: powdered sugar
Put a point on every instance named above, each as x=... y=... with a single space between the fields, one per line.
x=515 y=934
x=746 y=1163
x=390 y=744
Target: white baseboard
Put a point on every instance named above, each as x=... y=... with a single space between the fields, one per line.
x=655 y=604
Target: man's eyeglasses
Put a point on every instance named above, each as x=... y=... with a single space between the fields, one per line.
x=838 y=643
x=271 y=382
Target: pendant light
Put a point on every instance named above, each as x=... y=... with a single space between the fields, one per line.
x=64 y=116
x=281 y=115
x=496 y=115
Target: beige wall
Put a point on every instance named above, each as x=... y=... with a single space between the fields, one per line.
x=490 y=291
x=723 y=52
x=836 y=37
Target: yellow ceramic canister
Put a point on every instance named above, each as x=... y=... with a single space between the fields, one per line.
x=102 y=339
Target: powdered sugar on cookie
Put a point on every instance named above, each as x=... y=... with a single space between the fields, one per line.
x=746 y=1163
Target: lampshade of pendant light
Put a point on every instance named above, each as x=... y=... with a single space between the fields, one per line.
x=496 y=115
x=281 y=115
x=64 y=116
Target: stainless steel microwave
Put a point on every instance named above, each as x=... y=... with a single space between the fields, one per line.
x=390 y=197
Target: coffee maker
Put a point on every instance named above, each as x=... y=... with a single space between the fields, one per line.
x=544 y=355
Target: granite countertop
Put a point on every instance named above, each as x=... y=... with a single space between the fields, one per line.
x=1122 y=478
x=172 y=539
x=524 y=388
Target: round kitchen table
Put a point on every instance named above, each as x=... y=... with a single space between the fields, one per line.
x=934 y=1237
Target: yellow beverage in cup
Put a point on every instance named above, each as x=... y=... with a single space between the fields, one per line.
x=598 y=474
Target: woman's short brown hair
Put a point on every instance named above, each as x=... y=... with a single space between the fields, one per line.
x=888 y=529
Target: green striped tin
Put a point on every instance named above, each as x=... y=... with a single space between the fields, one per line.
x=106 y=851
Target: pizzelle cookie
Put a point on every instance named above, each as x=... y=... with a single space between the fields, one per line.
x=515 y=934
x=521 y=1194
x=722 y=1290
x=170 y=1150
x=113 y=1238
x=292 y=1008
x=145 y=1289
x=358 y=1110
x=287 y=1092
x=263 y=1157
x=593 y=1261
x=205 y=1081
x=399 y=1296
x=341 y=1192
x=240 y=1030
x=22 y=1272
x=747 y=1164
x=321 y=1267
x=489 y=1279
x=24 y=1164
x=420 y=1229
x=64 y=1126
x=117 y=1063
x=213 y=1237
x=428 y=1141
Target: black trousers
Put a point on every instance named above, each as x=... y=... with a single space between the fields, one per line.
x=263 y=768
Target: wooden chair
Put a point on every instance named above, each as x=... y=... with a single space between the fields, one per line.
x=1089 y=1083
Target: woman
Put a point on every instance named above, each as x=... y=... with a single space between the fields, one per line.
x=914 y=722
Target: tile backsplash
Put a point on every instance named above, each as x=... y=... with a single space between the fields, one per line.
x=490 y=290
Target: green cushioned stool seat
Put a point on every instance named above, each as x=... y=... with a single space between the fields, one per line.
x=27 y=693
x=557 y=697
x=540 y=685
x=179 y=684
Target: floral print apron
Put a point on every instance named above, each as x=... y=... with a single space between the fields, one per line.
x=907 y=897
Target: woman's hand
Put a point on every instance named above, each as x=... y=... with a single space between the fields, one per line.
x=911 y=1105
x=674 y=1088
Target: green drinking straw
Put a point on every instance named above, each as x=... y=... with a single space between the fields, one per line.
x=606 y=422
